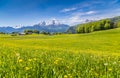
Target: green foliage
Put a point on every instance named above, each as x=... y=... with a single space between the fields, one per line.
x=45 y=32
x=14 y=33
x=118 y=24
x=58 y=33
x=28 y=31
x=31 y=31
x=2 y=33
x=36 y=31
x=95 y=26
x=80 y=29
x=103 y=24
x=107 y=25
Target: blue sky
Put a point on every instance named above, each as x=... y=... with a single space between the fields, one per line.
x=30 y=12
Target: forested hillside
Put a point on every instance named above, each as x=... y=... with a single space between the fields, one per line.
x=103 y=24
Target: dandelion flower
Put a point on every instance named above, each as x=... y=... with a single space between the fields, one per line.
x=35 y=59
x=30 y=60
x=19 y=60
x=110 y=69
x=70 y=76
x=27 y=68
x=65 y=76
x=56 y=61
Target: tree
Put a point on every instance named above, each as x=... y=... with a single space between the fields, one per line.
x=45 y=33
x=2 y=32
x=96 y=26
x=87 y=29
x=80 y=29
x=92 y=28
x=107 y=25
x=28 y=31
x=112 y=25
x=15 y=32
x=36 y=31
x=118 y=24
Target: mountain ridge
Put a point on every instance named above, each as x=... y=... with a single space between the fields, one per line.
x=43 y=26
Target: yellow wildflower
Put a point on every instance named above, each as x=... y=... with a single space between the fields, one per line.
x=35 y=59
x=110 y=69
x=19 y=60
x=65 y=76
x=30 y=60
x=68 y=67
x=56 y=61
x=27 y=68
x=70 y=76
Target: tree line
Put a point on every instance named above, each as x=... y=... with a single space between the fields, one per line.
x=32 y=31
x=42 y=32
x=96 y=26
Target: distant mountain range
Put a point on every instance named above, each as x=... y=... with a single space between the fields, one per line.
x=54 y=26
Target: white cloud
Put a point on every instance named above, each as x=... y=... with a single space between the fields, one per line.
x=72 y=20
x=93 y=14
x=90 y=12
x=68 y=9
x=76 y=17
x=84 y=13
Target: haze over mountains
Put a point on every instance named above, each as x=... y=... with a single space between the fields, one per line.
x=53 y=26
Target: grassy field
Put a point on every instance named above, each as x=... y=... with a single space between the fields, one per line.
x=94 y=55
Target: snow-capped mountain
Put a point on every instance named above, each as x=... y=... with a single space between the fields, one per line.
x=51 y=23
x=53 y=26
x=43 y=23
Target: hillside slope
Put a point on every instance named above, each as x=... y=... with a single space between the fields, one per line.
x=90 y=55
x=99 y=41
x=103 y=24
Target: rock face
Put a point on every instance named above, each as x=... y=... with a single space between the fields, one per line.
x=54 y=26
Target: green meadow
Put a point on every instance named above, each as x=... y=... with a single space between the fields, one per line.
x=93 y=55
